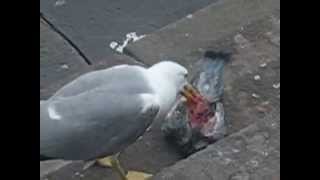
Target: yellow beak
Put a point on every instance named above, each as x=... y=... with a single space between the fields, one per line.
x=190 y=93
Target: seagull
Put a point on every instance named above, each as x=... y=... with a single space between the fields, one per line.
x=99 y=114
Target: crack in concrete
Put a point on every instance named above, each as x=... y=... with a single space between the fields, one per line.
x=78 y=50
x=68 y=40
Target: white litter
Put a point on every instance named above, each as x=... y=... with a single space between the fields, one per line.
x=130 y=37
x=113 y=44
x=255 y=95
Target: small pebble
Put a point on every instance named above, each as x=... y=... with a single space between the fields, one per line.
x=240 y=176
x=60 y=3
x=255 y=95
x=65 y=66
x=228 y=161
x=148 y=129
x=77 y=173
x=269 y=33
x=276 y=86
x=235 y=150
x=265 y=153
x=187 y=34
x=88 y=164
x=200 y=49
x=261 y=109
x=189 y=16
x=263 y=65
x=265 y=103
x=242 y=41
x=257 y=77
x=254 y=163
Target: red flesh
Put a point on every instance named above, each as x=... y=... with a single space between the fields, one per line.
x=199 y=111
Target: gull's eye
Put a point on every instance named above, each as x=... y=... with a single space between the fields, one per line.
x=186 y=75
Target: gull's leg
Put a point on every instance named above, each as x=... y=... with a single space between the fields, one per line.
x=135 y=175
x=113 y=162
x=105 y=162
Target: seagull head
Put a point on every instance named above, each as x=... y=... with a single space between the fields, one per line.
x=172 y=72
x=177 y=75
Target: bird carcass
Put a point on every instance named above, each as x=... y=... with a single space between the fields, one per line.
x=194 y=123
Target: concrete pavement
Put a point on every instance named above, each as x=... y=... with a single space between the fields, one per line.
x=250 y=30
x=93 y=25
x=58 y=61
x=61 y=63
x=200 y=30
x=252 y=153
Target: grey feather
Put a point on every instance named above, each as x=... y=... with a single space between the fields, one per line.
x=93 y=124
x=208 y=80
x=129 y=75
x=94 y=118
x=210 y=75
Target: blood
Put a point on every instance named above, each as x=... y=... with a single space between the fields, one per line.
x=199 y=111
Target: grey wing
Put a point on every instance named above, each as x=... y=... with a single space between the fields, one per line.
x=127 y=74
x=93 y=124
